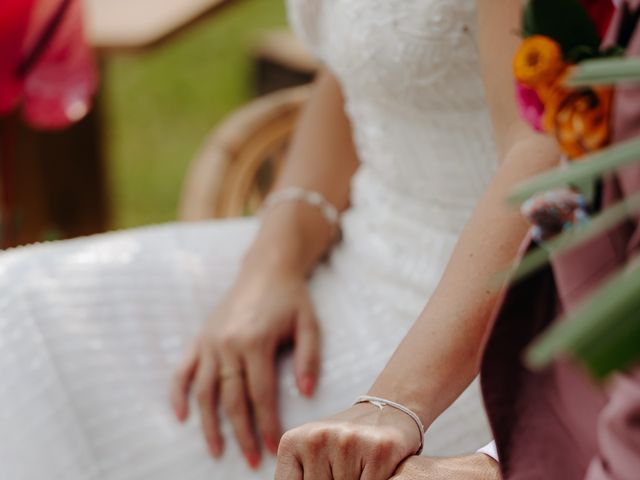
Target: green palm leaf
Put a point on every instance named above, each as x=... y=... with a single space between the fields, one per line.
x=603 y=333
x=589 y=168
x=605 y=71
x=564 y=242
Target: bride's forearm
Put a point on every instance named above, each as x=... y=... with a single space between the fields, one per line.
x=439 y=357
x=321 y=158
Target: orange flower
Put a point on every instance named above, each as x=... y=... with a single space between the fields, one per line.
x=579 y=118
x=538 y=61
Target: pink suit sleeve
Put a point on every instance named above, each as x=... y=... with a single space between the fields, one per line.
x=619 y=432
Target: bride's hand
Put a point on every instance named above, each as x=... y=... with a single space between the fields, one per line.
x=233 y=361
x=363 y=442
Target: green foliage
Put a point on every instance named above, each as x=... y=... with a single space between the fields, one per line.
x=567 y=22
x=588 y=168
x=576 y=236
x=603 y=333
x=161 y=104
x=606 y=71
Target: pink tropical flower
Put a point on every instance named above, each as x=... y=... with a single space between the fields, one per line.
x=49 y=67
x=530 y=106
x=14 y=22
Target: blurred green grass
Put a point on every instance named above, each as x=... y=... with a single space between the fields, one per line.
x=161 y=104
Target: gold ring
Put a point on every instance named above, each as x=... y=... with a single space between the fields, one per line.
x=226 y=373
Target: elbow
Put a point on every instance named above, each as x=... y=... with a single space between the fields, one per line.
x=529 y=153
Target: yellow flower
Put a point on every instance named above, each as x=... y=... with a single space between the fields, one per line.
x=538 y=61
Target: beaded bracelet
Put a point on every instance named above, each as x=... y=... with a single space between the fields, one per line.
x=310 y=197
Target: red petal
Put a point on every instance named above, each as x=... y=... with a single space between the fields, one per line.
x=601 y=12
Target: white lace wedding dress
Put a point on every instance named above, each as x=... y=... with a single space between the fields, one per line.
x=91 y=329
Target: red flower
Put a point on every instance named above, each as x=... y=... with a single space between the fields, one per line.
x=601 y=12
x=46 y=65
x=14 y=23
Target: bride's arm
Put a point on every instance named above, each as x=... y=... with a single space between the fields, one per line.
x=232 y=363
x=440 y=355
x=321 y=158
x=444 y=345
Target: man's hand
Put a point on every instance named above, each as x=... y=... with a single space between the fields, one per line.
x=472 y=467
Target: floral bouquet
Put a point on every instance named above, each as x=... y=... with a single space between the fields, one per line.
x=565 y=83
x=577 y=117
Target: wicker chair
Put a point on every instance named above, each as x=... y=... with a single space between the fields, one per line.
x=281 y=61
x=239 y=162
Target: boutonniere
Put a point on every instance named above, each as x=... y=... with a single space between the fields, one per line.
x=558 y=35
x=566 y=82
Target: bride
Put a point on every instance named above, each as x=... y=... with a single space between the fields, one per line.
x=389 y=158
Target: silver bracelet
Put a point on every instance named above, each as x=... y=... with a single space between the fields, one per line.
x=310 y=197
x=382 y=402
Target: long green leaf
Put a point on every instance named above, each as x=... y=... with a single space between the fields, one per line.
x=568 y=240
x=588 y=168
x=604 y=324
x=606 y=71
x=615 y=348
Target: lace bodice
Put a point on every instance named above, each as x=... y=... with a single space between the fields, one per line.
x=410 y=75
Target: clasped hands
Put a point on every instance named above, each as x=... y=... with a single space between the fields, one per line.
x=367 y=443
x=232 y=364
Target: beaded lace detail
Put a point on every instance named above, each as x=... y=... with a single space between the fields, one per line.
x=410 y=74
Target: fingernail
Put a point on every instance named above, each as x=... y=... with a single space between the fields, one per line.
x=307 y=385
x=215 y=448
x=253 y=459
x=179 y=413
x=271 y=444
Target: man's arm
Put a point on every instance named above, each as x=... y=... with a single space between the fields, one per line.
x=469 y=467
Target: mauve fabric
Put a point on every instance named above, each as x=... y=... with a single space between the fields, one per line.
x=558 y=424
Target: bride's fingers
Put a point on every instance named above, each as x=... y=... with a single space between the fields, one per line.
x=205 y=391
x=262 y=384
x=181 y=382
x=307 y=351
x=235 y=403
x=288 y=468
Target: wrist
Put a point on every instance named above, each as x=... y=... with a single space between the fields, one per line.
x=406 y=393
x=483 y=467
x=292 y=237
x=282 y=258
x=407 y=435
x=401 y=413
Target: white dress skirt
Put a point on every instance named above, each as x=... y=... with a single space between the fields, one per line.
x=92 y=329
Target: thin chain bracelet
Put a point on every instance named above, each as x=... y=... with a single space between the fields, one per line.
x=382 y=402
